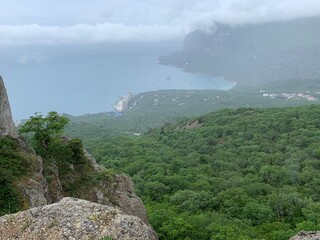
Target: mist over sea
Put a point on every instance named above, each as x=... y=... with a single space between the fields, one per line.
x=79 y=80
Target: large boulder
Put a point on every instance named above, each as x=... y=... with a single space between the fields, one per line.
x=311 y=235
x=74 y=219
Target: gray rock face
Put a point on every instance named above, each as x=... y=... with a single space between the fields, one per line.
x=7 y=127
x=92 y=161
x=121 y=195
x=33 y=187
x=314 y=235
x=117 y=192
x=73 y=219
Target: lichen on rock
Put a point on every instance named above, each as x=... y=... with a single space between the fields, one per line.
x=307 y=235
x=74 y=219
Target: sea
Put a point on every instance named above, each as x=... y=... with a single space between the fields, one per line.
x=89 y=79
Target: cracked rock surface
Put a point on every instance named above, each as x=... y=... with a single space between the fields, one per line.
x=304 y=235
x=73 y=219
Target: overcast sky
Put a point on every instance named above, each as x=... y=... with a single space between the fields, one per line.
x=53 y=22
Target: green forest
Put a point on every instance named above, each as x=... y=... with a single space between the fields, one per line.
x=14 y=165
x=233 y=174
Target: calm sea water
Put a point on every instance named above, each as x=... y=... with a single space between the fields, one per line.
x=82 y=80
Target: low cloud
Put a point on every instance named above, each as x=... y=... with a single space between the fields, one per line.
x=57 y=22
x=87 y=34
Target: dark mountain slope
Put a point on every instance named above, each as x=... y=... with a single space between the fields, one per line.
x=253 y=53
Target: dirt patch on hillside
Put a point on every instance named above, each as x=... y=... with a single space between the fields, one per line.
x=192 y=125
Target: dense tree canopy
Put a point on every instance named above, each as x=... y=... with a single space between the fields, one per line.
x=45 y=129
x=236 y=174
x=14 y=165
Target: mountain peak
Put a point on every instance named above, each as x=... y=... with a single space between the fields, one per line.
x=7 y=127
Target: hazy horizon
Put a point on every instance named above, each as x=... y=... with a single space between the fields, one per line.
x=49 y=22
x=90 y=80
x=37 y=36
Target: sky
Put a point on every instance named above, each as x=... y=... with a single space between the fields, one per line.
x=60 y=22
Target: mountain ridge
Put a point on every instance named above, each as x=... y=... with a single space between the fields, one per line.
x=250 y=54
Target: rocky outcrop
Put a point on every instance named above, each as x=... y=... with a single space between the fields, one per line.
x=72 y=173
x=40 y=187
x=115 y=190
x=7 y=127
x=313 y=235
x=121 y=195
x=73 y=219
x=32 y=187
x=123 y=103
x=92 y=160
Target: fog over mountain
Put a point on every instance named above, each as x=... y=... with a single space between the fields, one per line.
x=253 y=54
x=68 y=22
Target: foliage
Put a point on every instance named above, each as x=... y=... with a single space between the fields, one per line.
x=63 y=158
x=13 y=165
x=242 y=174
x=106 y=238
x=45 y=129
x=76 y=174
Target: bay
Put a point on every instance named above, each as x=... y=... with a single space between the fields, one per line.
x=89 y=79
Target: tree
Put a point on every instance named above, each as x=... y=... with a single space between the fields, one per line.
x=45 y=129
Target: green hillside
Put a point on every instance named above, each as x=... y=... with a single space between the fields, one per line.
x=153 y=109
x=232 y=174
